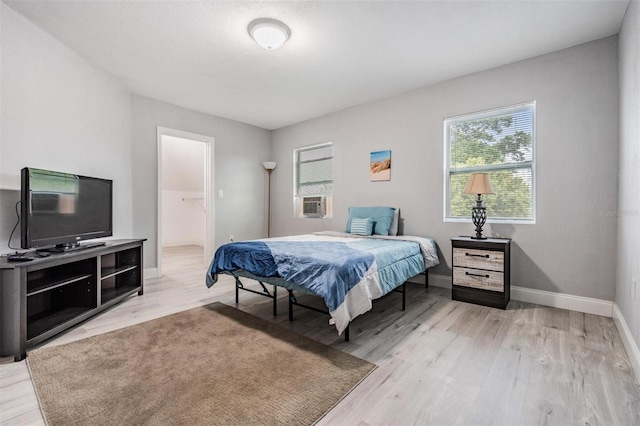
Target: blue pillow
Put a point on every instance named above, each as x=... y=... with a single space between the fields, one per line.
x=361 y=226
x=382 y=218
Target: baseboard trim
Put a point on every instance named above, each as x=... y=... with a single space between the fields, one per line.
x=150 y=273
x=586 y=305
x=627 y=338
x=184 y=243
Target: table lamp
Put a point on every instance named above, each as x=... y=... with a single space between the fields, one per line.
x=479 y=183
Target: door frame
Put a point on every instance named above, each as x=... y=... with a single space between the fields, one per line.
x=209 y=186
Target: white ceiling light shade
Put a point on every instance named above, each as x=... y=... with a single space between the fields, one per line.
x=269 y=33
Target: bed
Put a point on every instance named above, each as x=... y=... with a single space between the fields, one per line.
x=347 y=271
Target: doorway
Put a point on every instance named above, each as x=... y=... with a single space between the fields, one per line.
x=185 y=205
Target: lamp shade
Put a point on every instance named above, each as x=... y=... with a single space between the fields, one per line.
x=479 y=183
x=269 y=33
x=269 y=165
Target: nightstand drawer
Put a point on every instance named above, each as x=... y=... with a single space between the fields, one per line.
x=480 y=259
x=486 y=280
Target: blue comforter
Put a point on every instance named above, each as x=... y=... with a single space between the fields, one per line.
x=346 y=271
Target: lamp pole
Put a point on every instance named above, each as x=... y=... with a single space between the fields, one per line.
x=269 y=206
x=269 y=166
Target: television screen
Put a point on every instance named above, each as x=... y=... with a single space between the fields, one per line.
x=62 y=209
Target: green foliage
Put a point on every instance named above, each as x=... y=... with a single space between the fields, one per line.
x=488 y=142
x=512 y=198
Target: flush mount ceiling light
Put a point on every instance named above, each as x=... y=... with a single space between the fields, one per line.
x=269 y=33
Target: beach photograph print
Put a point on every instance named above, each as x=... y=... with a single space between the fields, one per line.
x=380 y=166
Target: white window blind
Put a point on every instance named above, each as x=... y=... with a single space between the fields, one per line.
x=498 y=142
x=314 y=170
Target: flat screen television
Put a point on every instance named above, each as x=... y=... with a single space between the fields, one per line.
x=61 y=209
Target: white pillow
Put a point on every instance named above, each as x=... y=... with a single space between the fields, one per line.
x=362 y=226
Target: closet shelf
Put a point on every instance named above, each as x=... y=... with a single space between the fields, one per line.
x=198 y=200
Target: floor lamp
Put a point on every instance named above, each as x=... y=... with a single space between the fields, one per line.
x=269 y=166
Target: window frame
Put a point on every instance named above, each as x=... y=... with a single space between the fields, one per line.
x=488 y=168
x=297 y=199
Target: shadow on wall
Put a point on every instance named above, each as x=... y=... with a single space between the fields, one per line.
x=8 y=219
x=502 y=230
x=442 y=268
x=524 y=271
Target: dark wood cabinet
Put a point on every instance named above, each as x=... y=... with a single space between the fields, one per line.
x=481 y=271
x=46 y=296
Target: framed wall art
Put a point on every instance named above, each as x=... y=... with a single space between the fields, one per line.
x=380 y=166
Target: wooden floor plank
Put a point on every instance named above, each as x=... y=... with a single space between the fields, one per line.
x=547 y=401
x=598 y=394
x=503 y=394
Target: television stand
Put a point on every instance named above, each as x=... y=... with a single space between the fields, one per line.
x=49 y=295
x=64 y=248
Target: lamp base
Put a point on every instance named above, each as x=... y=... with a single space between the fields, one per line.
x=479 y=217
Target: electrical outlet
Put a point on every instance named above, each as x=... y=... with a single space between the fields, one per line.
x=634 y=288
x=231 y=237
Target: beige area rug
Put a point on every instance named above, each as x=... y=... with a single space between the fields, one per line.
x=211 y=365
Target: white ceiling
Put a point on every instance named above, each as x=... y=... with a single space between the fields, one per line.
x=198 y=54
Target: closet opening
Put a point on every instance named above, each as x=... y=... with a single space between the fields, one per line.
x=185 y=205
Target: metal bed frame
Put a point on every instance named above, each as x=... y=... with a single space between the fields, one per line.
x=279 y=282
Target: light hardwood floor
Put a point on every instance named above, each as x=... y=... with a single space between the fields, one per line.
x=440 y=362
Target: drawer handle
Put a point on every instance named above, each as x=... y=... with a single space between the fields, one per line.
x=477 y=255
x=476 y=275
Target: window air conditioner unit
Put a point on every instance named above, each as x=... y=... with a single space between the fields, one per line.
x=313 y=206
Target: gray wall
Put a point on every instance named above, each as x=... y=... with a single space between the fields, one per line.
x=629 y=176
x=239 y=152
x=60 y=113
x=571 y=248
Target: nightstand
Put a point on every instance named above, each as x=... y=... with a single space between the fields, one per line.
x=481 y=271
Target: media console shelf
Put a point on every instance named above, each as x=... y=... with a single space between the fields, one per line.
x=46 y=296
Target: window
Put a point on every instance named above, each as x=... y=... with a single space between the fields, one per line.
x=313 y=179
x=499 y=142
